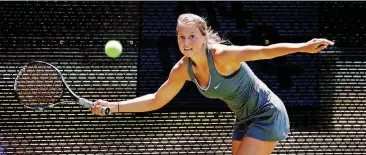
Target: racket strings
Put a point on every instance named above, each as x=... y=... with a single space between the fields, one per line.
x=39 y=85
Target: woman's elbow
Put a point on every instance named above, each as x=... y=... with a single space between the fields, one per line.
x=158 y=103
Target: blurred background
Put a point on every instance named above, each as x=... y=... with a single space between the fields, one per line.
x=324 y=93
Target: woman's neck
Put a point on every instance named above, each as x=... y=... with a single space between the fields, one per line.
x=200 y=60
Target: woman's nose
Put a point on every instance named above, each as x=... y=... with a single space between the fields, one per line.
x=187 y=41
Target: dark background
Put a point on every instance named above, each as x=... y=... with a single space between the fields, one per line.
x=324 y=93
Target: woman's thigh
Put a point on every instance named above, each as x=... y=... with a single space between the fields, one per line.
x=235 y=144
x=252 y=146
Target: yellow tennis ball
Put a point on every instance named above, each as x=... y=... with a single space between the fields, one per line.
x=113 y=49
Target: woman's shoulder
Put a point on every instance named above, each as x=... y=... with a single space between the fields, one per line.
x=222 y=57
x=181 y=67
x=218 y=48
x=218 y=51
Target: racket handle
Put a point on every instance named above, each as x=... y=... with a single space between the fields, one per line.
x=89 y=104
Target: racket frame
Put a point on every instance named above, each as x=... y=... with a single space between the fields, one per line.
x=81 y=101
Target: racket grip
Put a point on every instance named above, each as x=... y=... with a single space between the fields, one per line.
x=89 y=104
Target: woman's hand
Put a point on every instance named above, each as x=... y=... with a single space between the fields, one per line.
x=316 y=45
x=97 y=108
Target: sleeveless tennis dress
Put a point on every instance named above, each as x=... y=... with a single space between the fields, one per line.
x=259 y=113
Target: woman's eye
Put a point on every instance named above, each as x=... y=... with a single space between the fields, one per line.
x=191 y=36
x=181 y=37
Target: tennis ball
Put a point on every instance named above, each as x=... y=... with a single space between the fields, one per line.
x=113 y=49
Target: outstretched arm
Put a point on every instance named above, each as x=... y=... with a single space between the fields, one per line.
x=251 y=53
x=167 y=91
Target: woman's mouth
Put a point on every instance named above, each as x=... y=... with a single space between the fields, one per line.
x=187 y=49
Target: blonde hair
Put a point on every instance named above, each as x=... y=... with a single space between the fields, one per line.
x=212 y=37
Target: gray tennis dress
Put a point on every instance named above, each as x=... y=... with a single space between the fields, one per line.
x=259 y=113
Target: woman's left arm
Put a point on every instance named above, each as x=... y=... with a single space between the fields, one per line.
x=251 y=53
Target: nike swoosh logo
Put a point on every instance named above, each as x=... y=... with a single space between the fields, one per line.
x=217 y=86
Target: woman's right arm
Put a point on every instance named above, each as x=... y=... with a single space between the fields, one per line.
x=167 y=91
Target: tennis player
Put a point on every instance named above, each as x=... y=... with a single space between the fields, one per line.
x=219 y=71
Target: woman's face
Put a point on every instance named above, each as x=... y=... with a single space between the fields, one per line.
x=190 y=39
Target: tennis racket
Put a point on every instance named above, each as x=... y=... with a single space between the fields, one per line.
x=40 y=86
